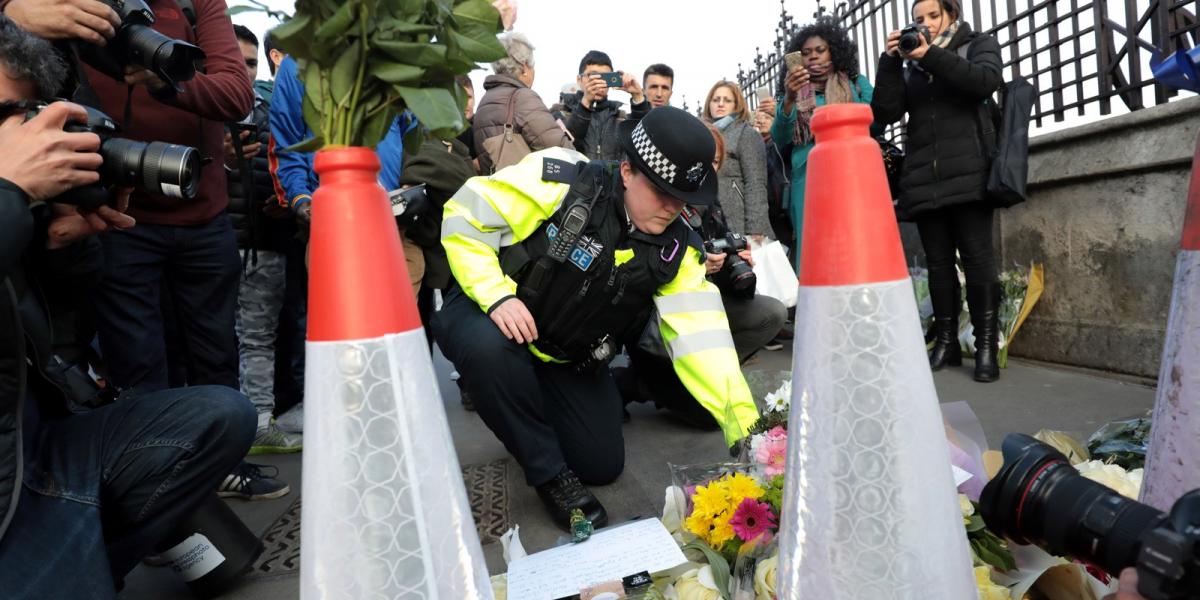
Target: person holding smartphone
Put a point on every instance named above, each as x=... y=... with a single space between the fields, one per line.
x=822 y=68
x=591 y=117
x=938 y=75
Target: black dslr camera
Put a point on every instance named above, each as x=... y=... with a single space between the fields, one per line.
x=156 y=167
x=136 y=43
x=737 y=276
x=910 y=37
x=1039 y=498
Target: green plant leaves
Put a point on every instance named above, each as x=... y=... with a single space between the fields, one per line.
x=413 y=53
x=435 y=108
x=345 y=71
x=394 y=73
x=481 y=49
x=337 y=25
x=720 y=566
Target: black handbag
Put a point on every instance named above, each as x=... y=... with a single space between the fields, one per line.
x=893 y=164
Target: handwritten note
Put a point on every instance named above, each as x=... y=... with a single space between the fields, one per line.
x=609 y=555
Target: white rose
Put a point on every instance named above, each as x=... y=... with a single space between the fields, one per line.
x=764 y=578
x=697 y=584
x=1113 y=476
x=964 y=504
x=674 y=507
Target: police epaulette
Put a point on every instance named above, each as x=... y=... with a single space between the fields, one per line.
x=559 y=171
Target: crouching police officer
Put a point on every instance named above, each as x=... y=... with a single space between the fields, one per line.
x=556 y=258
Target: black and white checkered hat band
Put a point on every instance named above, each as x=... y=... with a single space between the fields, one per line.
x=654 y=159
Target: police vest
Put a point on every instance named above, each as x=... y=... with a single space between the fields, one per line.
x=605 y=287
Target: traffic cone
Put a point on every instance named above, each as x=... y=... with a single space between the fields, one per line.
x=1172 y=468
x=385 y=514
x=870 y=510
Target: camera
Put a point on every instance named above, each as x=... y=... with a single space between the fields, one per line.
x=1039 y=498
x=156 y=167
x=409 y=204
x=910 y=37
x=136 y=43
x=737 y=276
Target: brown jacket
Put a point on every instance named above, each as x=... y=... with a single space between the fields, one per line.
x=531 y=118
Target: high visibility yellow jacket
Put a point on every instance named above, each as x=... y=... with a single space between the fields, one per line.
x=494 y=212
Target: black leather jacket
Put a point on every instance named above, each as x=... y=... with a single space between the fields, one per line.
x=32 y=280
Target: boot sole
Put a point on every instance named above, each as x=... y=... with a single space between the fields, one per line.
x=269 y=496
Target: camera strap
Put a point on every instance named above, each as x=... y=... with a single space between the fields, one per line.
x=245 y=169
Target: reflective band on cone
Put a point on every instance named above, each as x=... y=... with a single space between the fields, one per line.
x=1173 y=457
x=870 y=508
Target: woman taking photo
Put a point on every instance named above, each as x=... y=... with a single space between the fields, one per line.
x=742 y=179
x=940 y=84
x=827 y=74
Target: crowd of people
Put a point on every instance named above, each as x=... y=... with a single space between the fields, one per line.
x=151 y=345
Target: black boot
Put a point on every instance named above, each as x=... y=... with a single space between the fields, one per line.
x=946 y=306
x=564 y=493
x=983 y=300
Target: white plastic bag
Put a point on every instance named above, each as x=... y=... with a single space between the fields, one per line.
x=775 y=275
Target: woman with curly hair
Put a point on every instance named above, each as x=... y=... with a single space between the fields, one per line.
x=827 y=75
x=939 y=82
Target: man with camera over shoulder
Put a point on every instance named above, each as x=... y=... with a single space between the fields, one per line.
x=84 y=494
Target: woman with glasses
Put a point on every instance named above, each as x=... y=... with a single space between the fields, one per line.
x=742 y=179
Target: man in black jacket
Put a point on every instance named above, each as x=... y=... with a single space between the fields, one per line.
x=591 y=117
x=264 y=231
x=83 y=495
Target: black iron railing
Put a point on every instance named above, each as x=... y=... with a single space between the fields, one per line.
x=1079 y=53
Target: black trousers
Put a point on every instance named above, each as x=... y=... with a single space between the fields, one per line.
x=967 y=229
x=547 y=416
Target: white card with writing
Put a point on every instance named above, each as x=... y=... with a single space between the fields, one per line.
x=610 y=555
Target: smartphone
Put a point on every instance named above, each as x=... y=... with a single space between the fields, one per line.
x=613 y=79
x=763 y=92
x=791 y=59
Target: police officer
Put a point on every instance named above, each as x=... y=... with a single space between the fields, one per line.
x=556 y=259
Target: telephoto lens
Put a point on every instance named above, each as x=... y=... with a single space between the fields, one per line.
x=1039 y=498
x=156 y=167
x=138 y=44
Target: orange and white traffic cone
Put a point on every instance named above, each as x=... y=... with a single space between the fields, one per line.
x=870 y=510
x=385 y=513
x=1172 y=465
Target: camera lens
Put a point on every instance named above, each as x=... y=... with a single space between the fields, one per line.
x=1039 y=498
x=740 y=275
x=170 y=58
x=909 y=40
x=156 y=167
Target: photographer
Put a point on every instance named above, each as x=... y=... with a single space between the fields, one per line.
x=591 y=117
x=924 y=75
x=754 y=320
x=83 y=495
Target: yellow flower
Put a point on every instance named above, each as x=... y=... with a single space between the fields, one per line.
x=722 y=531
x=697 y=584
x=764 y=578
x=710 y=500
x=740 y=486
x=964 y=504
x=988 y=590
x=699 y=524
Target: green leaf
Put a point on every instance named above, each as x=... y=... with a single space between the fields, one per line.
x=292 y=36
x=393 y=72
x=310 y=145
x=720 y=566
x=976 y=524
x=422 y=55
x=412 y=140
x=312 y=82
x=394 y=29
x=402 y=9
x=435 y=108
x=341 y=80
x=339 y=23
x=478 y=13
x=375 y=128
x=482 y=48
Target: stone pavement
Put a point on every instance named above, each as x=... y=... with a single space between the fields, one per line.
x=1027 y=397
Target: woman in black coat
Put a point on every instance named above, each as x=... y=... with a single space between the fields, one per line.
x=941 y=85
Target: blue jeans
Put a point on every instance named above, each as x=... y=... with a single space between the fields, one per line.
x=104 y=488
x=198 y=266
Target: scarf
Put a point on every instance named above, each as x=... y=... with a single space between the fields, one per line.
x=724 y=122
x=835 y=86
x=941 y=41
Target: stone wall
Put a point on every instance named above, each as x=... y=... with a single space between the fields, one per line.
x=1104 y=215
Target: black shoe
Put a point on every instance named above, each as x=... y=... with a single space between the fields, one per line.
x=248 y=481
x=565 y=493
x=946 y=349
x=983 y=300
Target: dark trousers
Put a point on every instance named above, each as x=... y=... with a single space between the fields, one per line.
x=752 y=322
x=199 y=267
x=967 y=229
x=546 y=415
x=293 y=320
x=103 y=488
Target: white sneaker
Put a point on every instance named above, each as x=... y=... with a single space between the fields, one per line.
x=292 y=421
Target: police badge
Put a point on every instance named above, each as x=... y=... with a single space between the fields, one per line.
x=695 y=173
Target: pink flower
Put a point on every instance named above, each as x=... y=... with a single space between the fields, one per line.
x=752 y=519
x=777 y=434
x=772 y=454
